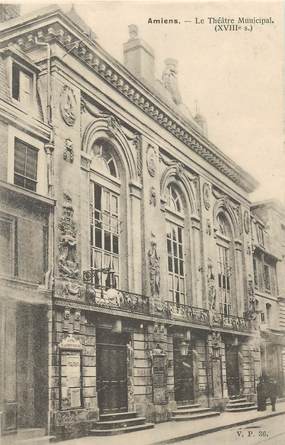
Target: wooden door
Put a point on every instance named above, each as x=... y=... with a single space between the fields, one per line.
x=232 y=369
x=112 y=372
x=183 y=375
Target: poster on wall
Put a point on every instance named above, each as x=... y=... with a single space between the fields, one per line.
x=70 y=379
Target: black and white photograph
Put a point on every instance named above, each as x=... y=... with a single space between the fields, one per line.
x=142 y=222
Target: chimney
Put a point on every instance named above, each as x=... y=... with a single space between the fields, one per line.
x=138 y=56
x=9 y=11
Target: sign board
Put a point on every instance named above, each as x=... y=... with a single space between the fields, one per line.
x=159 y=379
x=70 y=379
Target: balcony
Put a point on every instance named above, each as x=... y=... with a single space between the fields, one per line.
x=230 y=322
x=191 y=314
x=116 y=300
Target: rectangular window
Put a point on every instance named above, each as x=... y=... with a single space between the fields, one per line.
x=22 y=85
x=104 y=236
x=224 y=280
x=176 y=280
x=25 y=165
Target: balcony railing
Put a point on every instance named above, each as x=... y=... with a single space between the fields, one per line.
x=231 y=322
x=188 y=313
x=121 y=300
x=118 y=300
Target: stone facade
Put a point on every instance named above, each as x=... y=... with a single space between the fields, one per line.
x=148 y=279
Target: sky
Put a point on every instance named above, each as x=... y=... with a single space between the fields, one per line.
x=236 y=77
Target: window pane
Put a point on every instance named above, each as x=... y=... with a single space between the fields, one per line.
x=170 y=264
x=180 y=251
x=98 y=194
x=98 y=237
x=31 y=185
x=175 y=265
x=181 y=267
x=107 y=241
x=106 y=200
x=179 y=234
x=169 y=246
x=174 y=249
x=112 y=168
x=114 y=204
x=115 y=244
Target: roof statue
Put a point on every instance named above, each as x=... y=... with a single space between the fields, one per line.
x=169 y=80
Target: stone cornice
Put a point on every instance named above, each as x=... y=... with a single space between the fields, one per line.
x=62 y=31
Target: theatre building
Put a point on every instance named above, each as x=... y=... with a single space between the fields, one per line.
x=133 y=284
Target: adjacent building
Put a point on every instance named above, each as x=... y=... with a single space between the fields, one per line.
x=128 y=251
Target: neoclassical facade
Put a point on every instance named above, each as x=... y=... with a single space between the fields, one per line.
x=149 y=295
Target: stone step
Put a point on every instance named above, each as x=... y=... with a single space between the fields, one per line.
x=117 y=416
x=188 y=406
x=234 y=401
x=240 y=409
x=241 y=404
x=196 y=416
x=114 y=431
x=190 y=411
x=121 y=423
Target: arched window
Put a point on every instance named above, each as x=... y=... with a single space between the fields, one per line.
x=105 y=216
x=225 y=264
x=175 y=246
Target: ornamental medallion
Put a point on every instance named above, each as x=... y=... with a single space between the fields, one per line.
x=151 y=160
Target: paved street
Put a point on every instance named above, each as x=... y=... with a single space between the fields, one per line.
x=268 y=432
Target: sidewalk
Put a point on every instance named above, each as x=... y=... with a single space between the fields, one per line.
x=170 y=432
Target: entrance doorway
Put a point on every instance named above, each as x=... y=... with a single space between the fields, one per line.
x=183 y=374
x=111 y=361
x=232 y=369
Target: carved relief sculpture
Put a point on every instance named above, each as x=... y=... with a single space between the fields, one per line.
x=154 y=268
x=67 y=265
x=152 y=196
x=206 y=195
x=150 y=160
x=68 y=105
x=68 y=154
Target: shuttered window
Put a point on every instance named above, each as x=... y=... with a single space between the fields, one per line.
x=25 y=165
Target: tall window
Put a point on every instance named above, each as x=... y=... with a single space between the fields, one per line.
x=22 y=84
x=175 y=247
x=25 y=165
x=225 y=265
x=105 y=223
